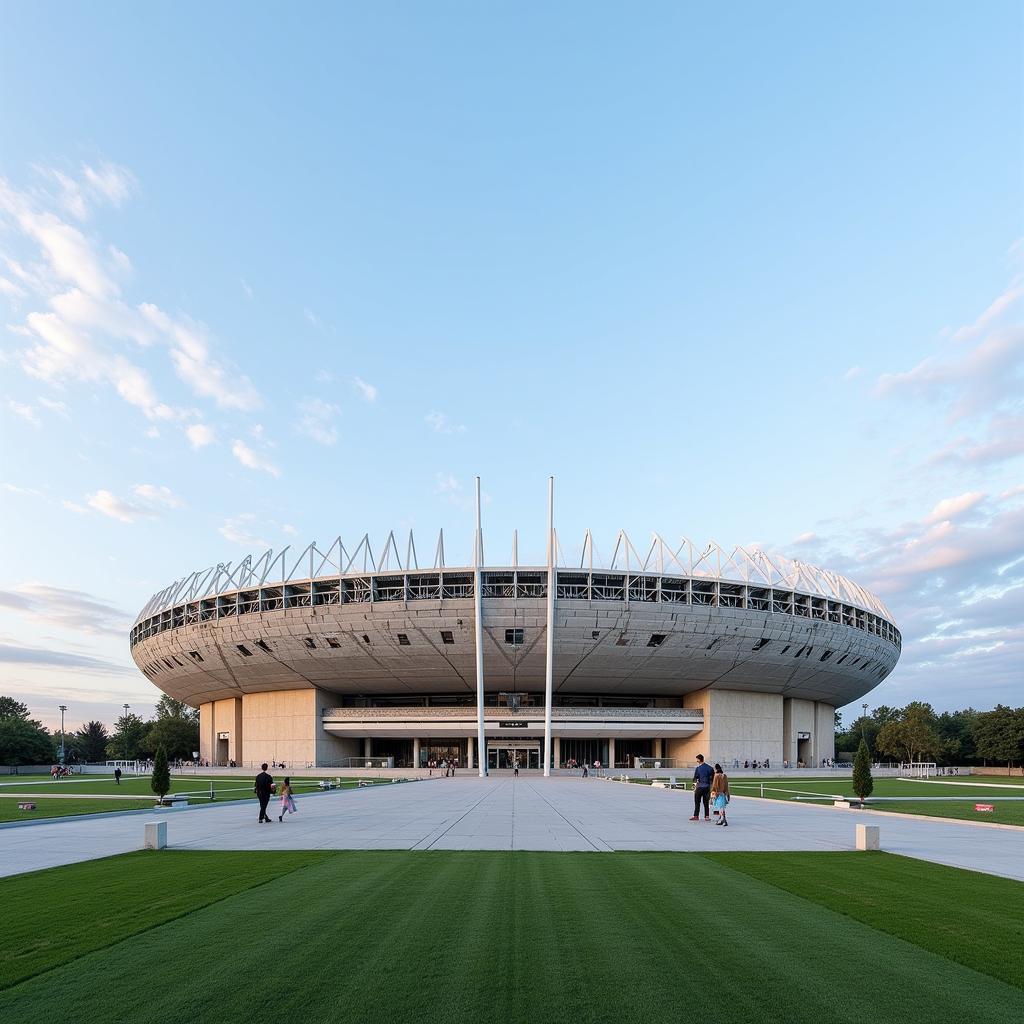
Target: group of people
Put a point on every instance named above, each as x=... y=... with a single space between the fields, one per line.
x=265 y=788
x=710 y=788
x=446 y=765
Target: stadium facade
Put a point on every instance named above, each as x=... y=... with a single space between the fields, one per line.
x=324 y=656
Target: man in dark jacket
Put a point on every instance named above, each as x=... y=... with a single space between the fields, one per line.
x=263 y=788
x=702 y=776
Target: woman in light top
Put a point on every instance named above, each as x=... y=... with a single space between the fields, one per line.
x=720 y=794
x=287 y=800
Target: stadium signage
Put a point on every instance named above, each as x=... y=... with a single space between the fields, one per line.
x=512 y=725
x=985 y=807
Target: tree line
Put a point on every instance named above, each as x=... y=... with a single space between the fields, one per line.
x=24 y=740
x=917 y=733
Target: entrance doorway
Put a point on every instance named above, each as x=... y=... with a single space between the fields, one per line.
x=221 y=756
x=508 y=757
x=803 y=748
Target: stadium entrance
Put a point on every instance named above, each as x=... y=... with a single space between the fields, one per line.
x=508 y=754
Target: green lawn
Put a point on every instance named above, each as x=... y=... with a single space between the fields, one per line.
x=61 y=808
x=961 y=804
x=386 y=936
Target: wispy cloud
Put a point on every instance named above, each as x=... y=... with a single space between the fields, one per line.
x=15 y=654
x=252 y=459
x=27 y=412
x=148 y=502
x=68 y=609
x=441 y=424
x=316 y=420
x=81 y=328
x=369 y=392
x=241 y=529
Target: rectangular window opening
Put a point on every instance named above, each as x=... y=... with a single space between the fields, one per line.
x=366 y=638
x=263 y=646
x=595 y=634
x=763 y=642
x=514 y=637
x=623 y=641
x=333 y=641
x=447 y=637
x=195 y=655
x=308 y=641
x=657 y=639
x=403 y=639
x=244 y=651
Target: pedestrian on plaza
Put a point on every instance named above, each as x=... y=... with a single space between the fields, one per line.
x=263 y=787
x=702 y=776
x=117 y=776
x=455 y=764
x=287 y=800
x=584 y=769
x=720 y=794
x=515 y=768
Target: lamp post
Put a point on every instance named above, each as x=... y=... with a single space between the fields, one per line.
x=63 y=708
x=124 y=729
x=864 y=723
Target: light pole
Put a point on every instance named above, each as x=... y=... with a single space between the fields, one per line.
x=864 y=723
x=124 y=729
x=63 y=708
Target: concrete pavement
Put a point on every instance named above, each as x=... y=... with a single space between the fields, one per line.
x=528 y=813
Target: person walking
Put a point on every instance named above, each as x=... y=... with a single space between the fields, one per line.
x=702 y=776
x=720 y=794
x=117 y=776
x=287 y=800
x=263 y=787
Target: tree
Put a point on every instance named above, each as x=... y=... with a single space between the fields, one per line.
x=161 y=780
x=22 y=740
x=91 y=742
x=168 y=707
x=999 y=734
x=126 y=743
x=178 y=736
x=863 y=783
x=913 y=736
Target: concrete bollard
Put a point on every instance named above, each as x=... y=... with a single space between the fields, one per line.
x=867 y=837
x=156 y=835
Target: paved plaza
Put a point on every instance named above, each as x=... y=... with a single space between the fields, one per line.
x=528 y=813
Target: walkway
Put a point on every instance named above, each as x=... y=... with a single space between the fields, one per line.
x=529 y=813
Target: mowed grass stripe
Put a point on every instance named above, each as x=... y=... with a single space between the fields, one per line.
x=968 y=917
x=56 y=916
x=416 y=937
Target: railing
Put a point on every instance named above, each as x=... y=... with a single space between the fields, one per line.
x=509 y=715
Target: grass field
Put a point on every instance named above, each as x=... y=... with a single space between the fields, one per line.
x=1006 y=812
x=224 y=788
x=389 y=936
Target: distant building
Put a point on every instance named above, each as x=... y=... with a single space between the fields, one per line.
x=330 y=655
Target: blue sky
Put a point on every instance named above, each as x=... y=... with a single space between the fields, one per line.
x=746 y=274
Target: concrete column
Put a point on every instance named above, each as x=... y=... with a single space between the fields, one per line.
x=469 y=752
x=558 y=751
x=415 y=753
x=366 y=747
x=611 y=752
x=658 y=745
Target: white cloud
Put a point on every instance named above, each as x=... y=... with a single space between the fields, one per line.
x=368 y=390
x=109 y=504
x=199 y=435
x=440 y=423
x=59 y=408
x=157 y=497
x=15 y=489
x=73 y=506
x=242 y=530
x=853 y=373
x=67 y=609
x=323 y=377
x=289 y=530
x=245 y=287
x=316 y=420
x=252 y=459
x=148 y=501
x=82 y=329
x=953 y=508
x=27 y=412
x=312 y=318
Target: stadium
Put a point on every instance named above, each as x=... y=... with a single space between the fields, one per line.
x=324 y=657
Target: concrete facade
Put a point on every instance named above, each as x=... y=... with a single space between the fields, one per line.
x=309 y=672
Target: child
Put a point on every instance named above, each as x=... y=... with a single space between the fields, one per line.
x=720 y=794
x=287 y=800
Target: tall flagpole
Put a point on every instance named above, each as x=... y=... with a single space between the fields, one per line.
x=550 y=652
x=478 y=637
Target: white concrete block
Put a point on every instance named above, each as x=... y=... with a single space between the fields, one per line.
x=156 y=835
x=867 y=837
